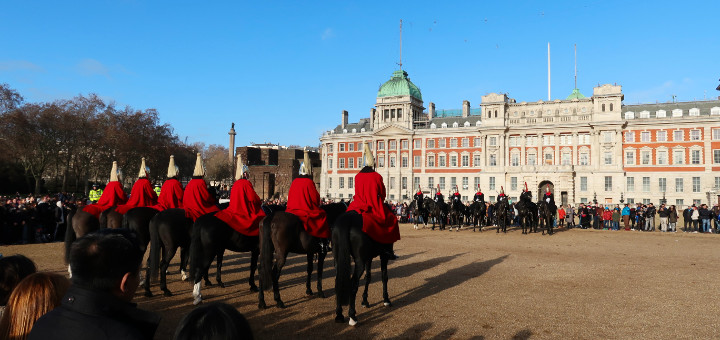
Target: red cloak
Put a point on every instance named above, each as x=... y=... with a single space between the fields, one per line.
x=171 y=195
x=379 y=222
x=244 y=213
x=197 y=199
x=304 y=202
x=112 y=195
x=141 y=195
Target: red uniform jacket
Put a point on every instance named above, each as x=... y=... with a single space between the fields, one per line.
x=197 y=200
x=141 y=195
x=304 y=202
x=171 y=195
x=112 y=195
x=244 y=213
x=379 y=222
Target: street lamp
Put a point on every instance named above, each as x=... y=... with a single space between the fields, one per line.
x=663 y=199
x=622 y=198
x=595 y=197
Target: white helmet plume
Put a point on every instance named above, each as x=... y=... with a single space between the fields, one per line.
x=172 y=168
x=144 y=170
x=199 y=166
x=242 y=169
x=114 y=172
x=369 y=159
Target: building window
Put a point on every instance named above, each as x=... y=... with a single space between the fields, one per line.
x=607 y=136
x=493 y=160
x=491 y=183
x=662 y=184
x=403 y=183
x=476 y=182
x=465 y=160
x=441 y=161
x=465 y=183
x=583 y=184
x=465 y=142
x=416 y=161
x=531 y=140
x=662 y=157
x=630 y=157
x=716 y=134
x=342 y=147
x=716 y=156
x=431 y=161
x=717 y=183
x=678 y=135
x=661 y=136
x=513 y=141
x=608 y=157
x=646 y=184
x=492 y=141
x=645 y=157
x=476 y=160
x=330 y=148
x=476 y=142
x=381 y=145
x=678 y=156
x=645 y=136
x=453 y=142
x=430 y=143
x=417 y=143
x=351 y=182
x=584 y=158
x=453 y=182
x=404 y=160
x=513 y=183
x=392 y=183
x=381 y=161
x=679 y=185
x=392 y=161
x=342 y=163
x=608 y=183
x=330 y=163
x=416 y=181
x=531 y=158
x=404 y=144
x=548 y=159
x=548 y=140
x=611 y=106
x=515 y=159
x=351 y=146
x=359 y=162
x=630 y=184
x=431 y=182
x=442 y=183
x=679 y=202
x=351 y=162
x=342 y=182
x=453 y=161
x=441 y=142
x=584 y=139
x=694 y=134
x=393 y=145
x=695 y=157
x=696 y=184
x=629 y=137
x=603 y=107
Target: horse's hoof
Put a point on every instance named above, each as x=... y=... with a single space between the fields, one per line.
x=339 y=319
x=197 y=300
x=353 y=321
x=321 y=294
x=309 y=292
x=221 y=284
x=167 y=292
x=262 y=305
x=148 y=293
x=365 y=304
x=142 y=283
x=252 y=289
x=280 y=304
x=208 y=283
x=183 y=275
x=387 y=304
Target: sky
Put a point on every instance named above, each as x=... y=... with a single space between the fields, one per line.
x=283 y=71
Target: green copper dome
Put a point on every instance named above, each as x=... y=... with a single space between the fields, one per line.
x=575 y=95
x=399 y=85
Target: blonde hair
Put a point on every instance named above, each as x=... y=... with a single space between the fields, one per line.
x=32 y=298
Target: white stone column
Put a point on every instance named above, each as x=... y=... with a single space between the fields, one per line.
x=556 y=146
x=523 y=142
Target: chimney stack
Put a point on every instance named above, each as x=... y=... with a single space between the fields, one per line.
x=344 y=119
x=466 y=108
x=431 y=111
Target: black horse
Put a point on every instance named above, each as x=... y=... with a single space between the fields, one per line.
x=350 y=243
x=283 y=233
x=169 y=230
x=456 y=213
x=210 y=237
x=527 y=213
x=501 y=214
x=419 y=209
x=546 y=217
x=477 y=214
x=81 y=223
x=438 y=212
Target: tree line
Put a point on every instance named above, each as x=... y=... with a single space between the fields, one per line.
x=68 y=144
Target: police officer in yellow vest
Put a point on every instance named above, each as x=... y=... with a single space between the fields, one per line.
x=95 y=194
x=157 y=189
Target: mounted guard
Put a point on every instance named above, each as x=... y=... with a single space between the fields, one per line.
x=197 y=200
x=112 y=195
x=439 y=198
x=549 y=198
x=142 y=194
x=244 y=212
x=171 y=193
x=304 y=202
x=479 y=196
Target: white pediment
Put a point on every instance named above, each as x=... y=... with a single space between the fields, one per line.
x=392 y=130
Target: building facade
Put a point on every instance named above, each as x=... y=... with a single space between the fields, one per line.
x=272 y=168
x=584 y=148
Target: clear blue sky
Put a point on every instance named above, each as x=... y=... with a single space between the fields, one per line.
x=283 y=71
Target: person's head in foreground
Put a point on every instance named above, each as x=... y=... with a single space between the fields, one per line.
x=215 y=321
x=32 y=298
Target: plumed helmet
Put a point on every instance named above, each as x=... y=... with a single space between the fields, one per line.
x=199 y=170
x=173 y=170
x=114 y=173
x=368 y=156
x=242 y=169
x=306 y=165
x=547 y=187
x=502 y=190
x=144 y=170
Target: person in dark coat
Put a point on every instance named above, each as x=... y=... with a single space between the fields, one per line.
x=105 y=269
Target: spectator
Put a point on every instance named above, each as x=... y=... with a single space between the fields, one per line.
x=663 y=212
x=216 y=321
x=704 y=215
x=616 y=218
x=633 y=217
x=626 y=216
x=12 y=270
x=650 y=217
x=715 y=214
x=687 y=219
x=672 y=219
x=32 y=298
x=105 y=267
x=607 y=218
x=561 y=217
x=695 y=218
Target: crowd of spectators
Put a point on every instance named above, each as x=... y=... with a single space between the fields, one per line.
x=35 y=219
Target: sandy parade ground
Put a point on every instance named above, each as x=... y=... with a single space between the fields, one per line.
x=580 y=284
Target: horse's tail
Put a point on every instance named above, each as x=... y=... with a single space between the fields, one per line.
x=341 y=253
x=154 y=257
x=266 y=253
x=69 y=236
x=196 y=250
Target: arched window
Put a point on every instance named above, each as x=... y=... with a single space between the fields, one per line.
x=603 y=108
x=611 y=106
x=495 y=113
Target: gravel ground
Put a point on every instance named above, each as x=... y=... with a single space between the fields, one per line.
x=580 y=284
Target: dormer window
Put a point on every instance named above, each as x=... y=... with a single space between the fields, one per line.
x=694 y=111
